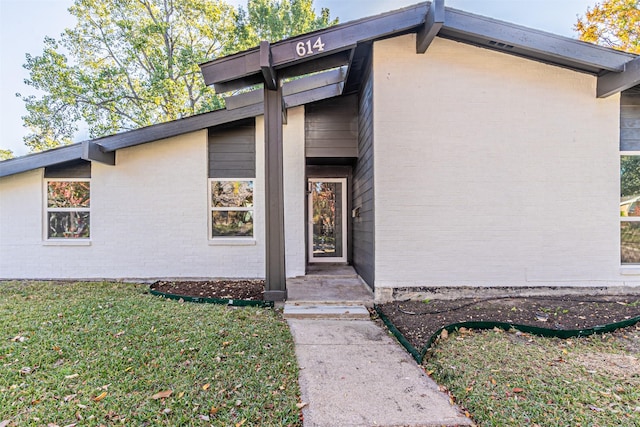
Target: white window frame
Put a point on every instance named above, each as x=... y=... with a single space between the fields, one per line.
x=46 y=209
x=230 y=240
x=626 y=267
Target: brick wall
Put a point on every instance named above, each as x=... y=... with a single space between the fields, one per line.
x=492 y=170
x=149 y=216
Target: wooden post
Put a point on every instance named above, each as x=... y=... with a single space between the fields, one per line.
x=275 y=287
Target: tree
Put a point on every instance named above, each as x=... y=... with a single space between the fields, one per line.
x=612 y=23
x=5 y=154
x=278 y=19
x=133 y=63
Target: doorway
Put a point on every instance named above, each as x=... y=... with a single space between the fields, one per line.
x=327 y=217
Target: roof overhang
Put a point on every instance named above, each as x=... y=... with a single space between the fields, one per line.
x=337 y=44
x=298 y=92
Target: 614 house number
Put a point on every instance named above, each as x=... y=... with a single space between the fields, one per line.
x=306 y=48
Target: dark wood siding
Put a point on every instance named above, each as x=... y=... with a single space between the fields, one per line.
x=232 y=151
x=73 y=169
x=363 y=191
x=630 y=120
x=331 y=127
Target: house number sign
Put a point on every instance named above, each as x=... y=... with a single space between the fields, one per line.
x=309 y=47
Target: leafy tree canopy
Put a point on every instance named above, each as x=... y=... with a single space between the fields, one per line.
x=5 y=154
x=612 y=23
x=133 y=63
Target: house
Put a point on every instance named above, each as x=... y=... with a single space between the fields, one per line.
x=428 y=147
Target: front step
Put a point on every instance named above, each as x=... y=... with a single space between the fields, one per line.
x=296 y=311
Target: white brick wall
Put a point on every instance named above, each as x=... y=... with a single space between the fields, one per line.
x=294 y=192
x=149 y=216
x=491 y=170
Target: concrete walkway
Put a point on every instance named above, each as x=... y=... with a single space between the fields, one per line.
x=353 y=374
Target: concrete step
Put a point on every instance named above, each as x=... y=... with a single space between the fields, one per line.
x=325 y=311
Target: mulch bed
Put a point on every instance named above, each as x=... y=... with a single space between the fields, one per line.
x=419 y=320
x=251 y=290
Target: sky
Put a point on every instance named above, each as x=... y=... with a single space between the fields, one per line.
x=25 y=23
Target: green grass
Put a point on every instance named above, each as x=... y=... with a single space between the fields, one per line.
x=96 y=353
x=509 y=379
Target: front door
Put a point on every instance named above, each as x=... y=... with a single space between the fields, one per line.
x=327 y=220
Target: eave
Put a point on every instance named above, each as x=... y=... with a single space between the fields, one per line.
x=243 y=69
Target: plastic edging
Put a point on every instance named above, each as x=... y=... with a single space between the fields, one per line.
x=535 y=330
x=221 y=301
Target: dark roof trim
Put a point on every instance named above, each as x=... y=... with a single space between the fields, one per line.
x=40 y=160
x=611 y=83
x=458 y=25
x=295 y=50
x=432 y=24
x=531 y=43
x=155 y=132
x=93 y=152
x=291 y=87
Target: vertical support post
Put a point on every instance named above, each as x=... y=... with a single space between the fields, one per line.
x=275 y=287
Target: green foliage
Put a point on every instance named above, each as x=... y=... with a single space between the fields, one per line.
x=629 y=176
x=133 y=63
x=612 y=23
x=278 y=19
x=6 y=154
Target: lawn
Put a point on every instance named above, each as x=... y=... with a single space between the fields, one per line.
x=109 y=353
x=515 y=379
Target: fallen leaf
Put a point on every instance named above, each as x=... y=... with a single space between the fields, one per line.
x=99 y=397
x=68 y=397
x=128 y=369
x=595 y=408
x=52 y=425
x=18 y=338
x=180 y=394
x=71 y=425
x=213 y=410
x=166 y=411
x=241 y=423
x=206 y=386
x=4 y=423
x=518 y=390
x=444 y=334
x=56 y=348
x=162 y=394
x=69 y=377
x=493 y=381
x=204 y=417
x=119 y=334
x=301 y=405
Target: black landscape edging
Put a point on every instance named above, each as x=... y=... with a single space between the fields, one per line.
x=535 y=330
x=221 y=301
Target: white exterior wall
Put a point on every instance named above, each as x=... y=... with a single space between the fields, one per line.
x=492 y=170
x=150 y=217
x=294 y=192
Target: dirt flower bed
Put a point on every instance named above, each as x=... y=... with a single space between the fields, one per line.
x=418 y=320
x=252 y=290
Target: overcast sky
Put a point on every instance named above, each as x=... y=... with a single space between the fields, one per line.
x=25 y=23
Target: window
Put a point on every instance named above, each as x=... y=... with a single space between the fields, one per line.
x=231 y=203
x=630 y=208
x=67 y=209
